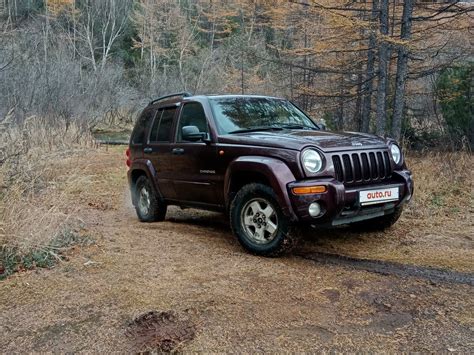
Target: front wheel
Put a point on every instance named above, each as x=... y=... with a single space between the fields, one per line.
x=258 y=222
x=148 y=206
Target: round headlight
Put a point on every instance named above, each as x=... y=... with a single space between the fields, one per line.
x=312 y=161
x=396 y=153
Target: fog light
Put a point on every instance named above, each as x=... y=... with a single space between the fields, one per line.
x=314 y=209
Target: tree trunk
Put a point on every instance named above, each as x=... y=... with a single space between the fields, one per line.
x=291 y=81
x=242 y=86
x=305 y=64
x=380 y=118
x=369 y=77
x=402 y=69
x=358 y=104
x=471 y=124
x=340 y=106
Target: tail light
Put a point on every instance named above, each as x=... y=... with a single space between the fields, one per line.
x=127 y=153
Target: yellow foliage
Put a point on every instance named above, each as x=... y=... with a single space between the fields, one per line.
x=57 y=6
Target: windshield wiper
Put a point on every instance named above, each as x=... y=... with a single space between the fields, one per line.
x=256 y=129
x=297 y=126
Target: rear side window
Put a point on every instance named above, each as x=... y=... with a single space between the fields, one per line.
x=156 y=124
x=161 y=130
x=139 y=132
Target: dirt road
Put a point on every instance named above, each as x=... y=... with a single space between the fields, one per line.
x=192 y=265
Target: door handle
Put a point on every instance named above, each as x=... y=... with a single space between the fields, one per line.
x=178 y=151
x=148 y=150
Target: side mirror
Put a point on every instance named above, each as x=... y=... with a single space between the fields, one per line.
x=192 y=133
x=322 y=126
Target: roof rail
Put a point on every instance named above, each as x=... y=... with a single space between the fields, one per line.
x=182 y=94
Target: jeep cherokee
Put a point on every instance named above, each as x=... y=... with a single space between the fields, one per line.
x=264 y=162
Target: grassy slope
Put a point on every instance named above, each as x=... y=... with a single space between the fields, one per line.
x=436 y=228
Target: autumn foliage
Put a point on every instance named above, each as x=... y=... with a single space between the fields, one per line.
x=367 y=66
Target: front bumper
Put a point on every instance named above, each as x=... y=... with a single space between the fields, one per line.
x=340 y=204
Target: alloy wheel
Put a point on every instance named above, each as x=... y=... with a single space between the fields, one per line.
x=260 y=221
x=144 y=201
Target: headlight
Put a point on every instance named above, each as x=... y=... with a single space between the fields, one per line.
x=312 y=161
x=396 y=153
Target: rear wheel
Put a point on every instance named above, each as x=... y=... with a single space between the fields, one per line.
x=258 y=222
x=148 y=206
x=379 y=223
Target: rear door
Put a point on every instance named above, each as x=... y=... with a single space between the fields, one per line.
x=158 y=150
x=194 y=162
x=139 y=134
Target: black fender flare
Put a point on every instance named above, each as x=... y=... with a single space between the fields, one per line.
x=146 y=166
x=276 y=172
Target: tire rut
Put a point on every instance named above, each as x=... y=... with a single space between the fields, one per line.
x=433 y=275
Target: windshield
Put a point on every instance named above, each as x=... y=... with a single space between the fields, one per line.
x=240 y=114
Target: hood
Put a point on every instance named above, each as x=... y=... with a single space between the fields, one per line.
x=298 y=139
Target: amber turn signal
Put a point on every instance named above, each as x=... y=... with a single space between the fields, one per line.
x=309 y=190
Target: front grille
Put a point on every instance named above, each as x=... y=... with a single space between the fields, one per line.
x=365 y=167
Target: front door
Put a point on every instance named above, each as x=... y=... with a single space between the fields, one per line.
x=194 y=162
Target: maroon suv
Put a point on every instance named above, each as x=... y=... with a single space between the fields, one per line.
x=264 y=162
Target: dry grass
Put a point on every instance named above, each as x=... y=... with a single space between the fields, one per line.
x=38 y=173
x=191 y=264
x=436 y=228
x=444 y=185
x=440 y=219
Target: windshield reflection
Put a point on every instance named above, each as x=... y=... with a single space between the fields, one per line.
x=238 y=114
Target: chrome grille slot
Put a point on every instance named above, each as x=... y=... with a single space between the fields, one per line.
x=388 y=168
x=365 y=167
x=347 y=168
x=357 y=167
x=373 y=166
x=338 y=168
x=380 y=165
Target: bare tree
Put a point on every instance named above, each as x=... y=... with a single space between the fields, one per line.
x=369 y=76
x=83 y=59
x=100 y=25
x=402 y=70
x=380 y=117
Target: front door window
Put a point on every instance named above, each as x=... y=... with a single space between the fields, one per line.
x=192 y=114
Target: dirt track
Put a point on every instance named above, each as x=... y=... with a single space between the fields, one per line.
x=192 y=265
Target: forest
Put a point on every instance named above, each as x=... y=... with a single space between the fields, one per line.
x=79 y=272
x=397 y=68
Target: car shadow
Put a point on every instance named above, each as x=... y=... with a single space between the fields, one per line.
x=210 y=220
x=219 y=222
x=341 y=232
x=339 y=239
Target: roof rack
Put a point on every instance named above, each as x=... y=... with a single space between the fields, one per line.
x=182 y=94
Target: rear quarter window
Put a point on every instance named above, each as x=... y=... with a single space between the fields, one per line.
x=139 y=132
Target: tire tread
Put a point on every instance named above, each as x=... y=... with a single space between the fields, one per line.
x=288 y=240
x=157 y=208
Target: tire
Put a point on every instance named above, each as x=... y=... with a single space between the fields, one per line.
x=258 y=222
x=148 y=206
x=379 y=223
